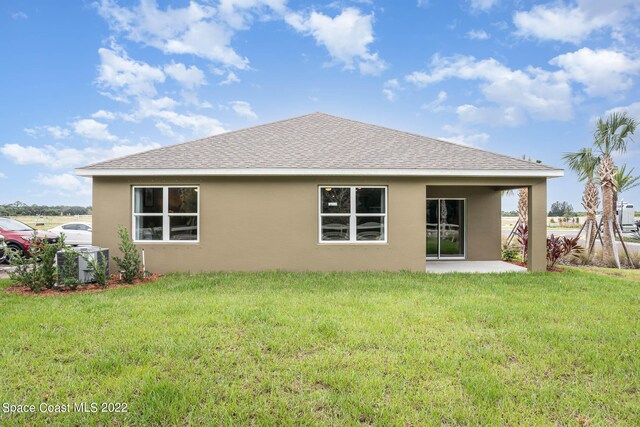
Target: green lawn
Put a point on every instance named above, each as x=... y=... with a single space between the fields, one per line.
x=307 y=349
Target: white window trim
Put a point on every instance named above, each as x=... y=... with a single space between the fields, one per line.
x=165 y=215
x=353 y=217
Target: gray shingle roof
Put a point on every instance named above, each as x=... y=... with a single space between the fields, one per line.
x=317 y=141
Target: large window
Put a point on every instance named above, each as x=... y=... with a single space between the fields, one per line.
x=353 y=214
x=165 y=214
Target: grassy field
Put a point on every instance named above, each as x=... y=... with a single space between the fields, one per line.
x=309 y=349
x=51 y=221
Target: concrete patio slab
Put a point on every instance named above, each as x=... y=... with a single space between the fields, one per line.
x=440 y=267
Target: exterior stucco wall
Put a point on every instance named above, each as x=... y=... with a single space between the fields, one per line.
x=267 y=223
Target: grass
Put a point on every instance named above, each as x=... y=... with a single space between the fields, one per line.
x=318 y=349
x=628 y=274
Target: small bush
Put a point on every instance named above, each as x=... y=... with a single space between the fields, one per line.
x=99 y=267
x=37 y=271
x=510 y=253
x=69 y=270
x=129 y=265
x=561 y=246
x=522 y=234
x=24 y=271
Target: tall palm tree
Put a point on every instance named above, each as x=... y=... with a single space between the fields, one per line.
x=523 y=200
x=624 y=181
x=612 y=135
x=584 y=164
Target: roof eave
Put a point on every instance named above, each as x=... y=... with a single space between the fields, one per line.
x=519 y=173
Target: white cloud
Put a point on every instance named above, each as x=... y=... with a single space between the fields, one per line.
x=65 y=184
x=477 y=35
x=57 y=132
x=32 y=132
x=103 y=114
x=436 y=104
x=162 y=110
x=603 y=72
x=196 y=29
x=2 y=175
x=346 y=36
x=390 y=89
x=61 y=157
x=543 y=95
x=460 y=136
x=19 y=15
x=574 y=22
x=189 y=77
x=243 y=108
x=91 y=129
x=231 y=78
x=500 y=116
x=483 y=5
x=632 y=110
x=126 y=76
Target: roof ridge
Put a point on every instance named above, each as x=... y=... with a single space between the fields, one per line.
x=441 y=140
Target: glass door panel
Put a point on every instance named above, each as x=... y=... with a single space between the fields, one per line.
x=445 y=228
x=451 y=228
x=432 y=228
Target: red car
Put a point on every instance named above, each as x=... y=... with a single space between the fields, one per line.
x=19 y=236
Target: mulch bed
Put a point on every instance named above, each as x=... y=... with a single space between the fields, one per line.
x=112 y=283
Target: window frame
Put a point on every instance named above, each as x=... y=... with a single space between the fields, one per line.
x=353 y=216
x=165 y=215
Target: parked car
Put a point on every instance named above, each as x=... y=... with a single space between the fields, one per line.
x=19 y=236
x=3 y=249
x=75 y=233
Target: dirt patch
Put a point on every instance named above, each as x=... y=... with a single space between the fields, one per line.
x=113 y=283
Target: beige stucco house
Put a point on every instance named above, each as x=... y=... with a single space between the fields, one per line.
x=314 y=193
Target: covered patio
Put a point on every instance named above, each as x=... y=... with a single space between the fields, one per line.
x=463 y=224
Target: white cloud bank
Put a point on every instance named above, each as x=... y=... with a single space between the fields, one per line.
x=65 y=184
x=61 y=157
x=573 y=22
x=514 y=95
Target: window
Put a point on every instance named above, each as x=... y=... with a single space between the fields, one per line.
x=353 y=214
x=166 y=214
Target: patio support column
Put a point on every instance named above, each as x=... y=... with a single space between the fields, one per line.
x=537 y=226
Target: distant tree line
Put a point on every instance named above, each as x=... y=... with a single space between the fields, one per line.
x=19 y=208
x=563 y=209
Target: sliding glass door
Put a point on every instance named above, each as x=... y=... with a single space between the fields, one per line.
x=446 y=228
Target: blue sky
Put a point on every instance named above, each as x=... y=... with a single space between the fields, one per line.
x=85 y=81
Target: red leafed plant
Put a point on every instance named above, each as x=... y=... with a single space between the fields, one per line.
x=522 y=233
x=560 y=246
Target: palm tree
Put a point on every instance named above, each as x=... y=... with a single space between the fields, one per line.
x=523 y=200
x=611 y=136
x=584 y=164
x=624 y=181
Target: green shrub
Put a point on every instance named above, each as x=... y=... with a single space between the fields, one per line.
x=24 y=271
x=45 y=253
x=99 y=267
x=510 y=253
x=38 y=270
x=69 y=270
x=129 y=265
